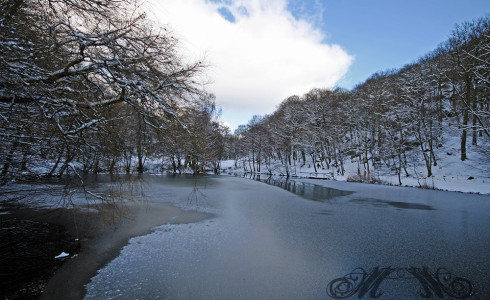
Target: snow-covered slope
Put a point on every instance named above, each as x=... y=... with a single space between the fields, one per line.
x=451 y=174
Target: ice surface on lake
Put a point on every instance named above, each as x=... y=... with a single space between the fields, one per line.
x=267 y=243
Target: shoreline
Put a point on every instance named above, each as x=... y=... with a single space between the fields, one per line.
x=436 y=185
x=100 y=241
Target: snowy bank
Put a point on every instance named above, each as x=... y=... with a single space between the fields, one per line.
x=450 y=174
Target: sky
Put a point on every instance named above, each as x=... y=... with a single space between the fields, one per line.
x=260 y=52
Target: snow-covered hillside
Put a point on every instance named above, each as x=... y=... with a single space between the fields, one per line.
x=451 y=174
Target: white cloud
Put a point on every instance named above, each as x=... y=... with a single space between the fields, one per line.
x=260 y=59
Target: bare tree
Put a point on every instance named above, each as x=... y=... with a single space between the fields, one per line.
x=64 y=64
x=470 y=53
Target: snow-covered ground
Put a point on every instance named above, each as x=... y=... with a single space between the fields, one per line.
x=451 y=174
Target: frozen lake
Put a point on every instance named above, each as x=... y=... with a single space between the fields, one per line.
x=305 y=239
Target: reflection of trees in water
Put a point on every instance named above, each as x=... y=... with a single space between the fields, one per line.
x=196 y=195
x=31 y=238
x=306 y=190
x=108 y=196
x=96 y=203
x=41 y=213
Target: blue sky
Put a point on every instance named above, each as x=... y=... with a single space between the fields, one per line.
x=384 y=34
x=262 y=51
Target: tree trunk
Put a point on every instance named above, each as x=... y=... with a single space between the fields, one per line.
x=53 y=169
x=174 y=166
x=313 y=159
x=113 y=163
x=463 y=135
x=399 y=168
x=8 y=161
x=139 y=144
x=179 y=164
x=474 y=141
x=69 y=158
x=427 y=158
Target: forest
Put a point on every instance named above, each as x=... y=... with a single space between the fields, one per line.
x=394 y=119
x=94 y=86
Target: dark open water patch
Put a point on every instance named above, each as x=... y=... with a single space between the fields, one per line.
x=27 y=253
x=320 y=193
x=326 y=212
x=308 y=191
x=395 y=204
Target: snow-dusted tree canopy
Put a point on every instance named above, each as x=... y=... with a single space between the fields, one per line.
x=83 y=79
